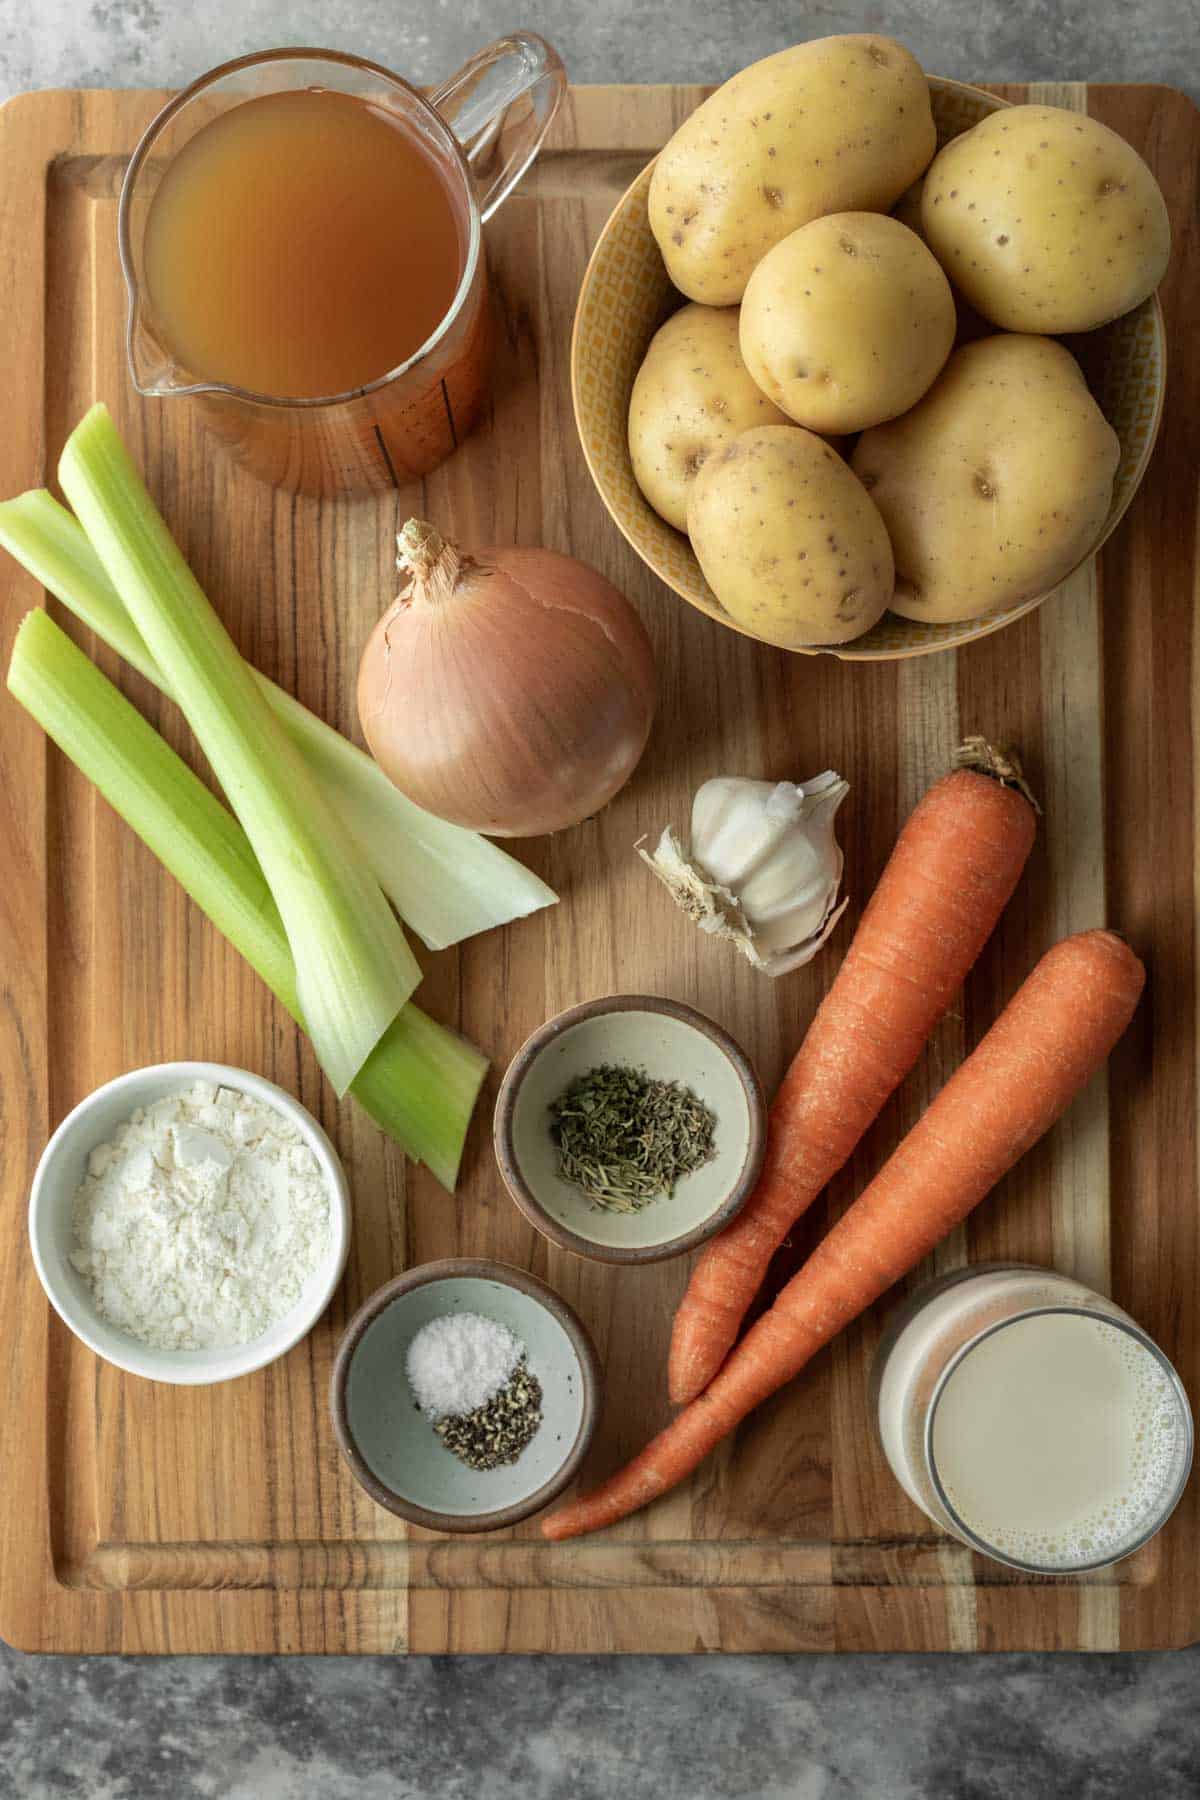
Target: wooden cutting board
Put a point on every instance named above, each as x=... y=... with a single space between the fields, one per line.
x=144 y=1518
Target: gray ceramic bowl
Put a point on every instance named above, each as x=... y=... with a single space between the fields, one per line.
x=671 y=1042
x=391 y=1446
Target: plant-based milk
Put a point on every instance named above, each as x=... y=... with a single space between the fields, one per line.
x=1021 y=1410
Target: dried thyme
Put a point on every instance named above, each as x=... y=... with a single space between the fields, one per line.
x=496 y=1432
x=626 y=1139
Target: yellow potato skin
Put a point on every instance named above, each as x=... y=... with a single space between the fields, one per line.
x=789 y=541
x=996 y=485
x=908 y=208
x=847 y=322
x=842 y=123
x=1046 y=220
x=692 y=394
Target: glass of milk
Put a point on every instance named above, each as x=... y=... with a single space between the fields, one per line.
x=1032 y=1418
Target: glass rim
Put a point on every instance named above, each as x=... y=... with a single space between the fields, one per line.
x=171 y=110
x=1171 y=1500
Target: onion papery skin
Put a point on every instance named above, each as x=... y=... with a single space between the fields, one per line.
x=511 y=692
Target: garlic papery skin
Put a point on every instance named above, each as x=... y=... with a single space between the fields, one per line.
x=763 y=868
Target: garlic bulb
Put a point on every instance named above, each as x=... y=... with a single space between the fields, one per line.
x=763 y=868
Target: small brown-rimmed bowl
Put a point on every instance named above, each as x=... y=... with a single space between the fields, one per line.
x=392 y=1448
x=671 y=1042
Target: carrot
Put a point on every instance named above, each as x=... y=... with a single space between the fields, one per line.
x=955 y=864
x=1047 y=1043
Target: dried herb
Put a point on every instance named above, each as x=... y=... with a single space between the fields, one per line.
x=625 y=1139
x=496 y=1432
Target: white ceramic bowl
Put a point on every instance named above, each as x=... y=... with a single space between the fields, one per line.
x=58 y=1177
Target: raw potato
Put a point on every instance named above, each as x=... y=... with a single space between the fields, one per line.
x=847 y=322
x=908 y=208
x=837 y=124
x=692 y=394
x=996 y=485
x=1046 y=220
x=790 y=542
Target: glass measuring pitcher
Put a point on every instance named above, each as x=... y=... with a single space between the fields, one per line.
x=481 y=129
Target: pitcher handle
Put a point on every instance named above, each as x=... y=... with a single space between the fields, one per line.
x=521 y=75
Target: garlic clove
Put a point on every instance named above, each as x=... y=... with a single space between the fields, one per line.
x=764 y=867
x=739 y=823
x=789 y=896
x=783 y=962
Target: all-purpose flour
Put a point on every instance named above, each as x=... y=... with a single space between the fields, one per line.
x=198 y=1226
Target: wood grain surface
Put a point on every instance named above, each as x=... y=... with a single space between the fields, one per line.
x=145 y=1518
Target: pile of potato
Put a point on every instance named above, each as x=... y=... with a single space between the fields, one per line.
x=981 y=474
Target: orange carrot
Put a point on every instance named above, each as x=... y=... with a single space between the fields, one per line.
x=955 y=864
x=1049 y=1041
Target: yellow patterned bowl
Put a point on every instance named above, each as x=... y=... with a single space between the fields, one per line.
x=625 y=297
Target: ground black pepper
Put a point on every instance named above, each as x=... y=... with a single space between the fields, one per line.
x=496 y=1432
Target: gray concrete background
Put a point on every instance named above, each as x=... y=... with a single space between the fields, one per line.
x=133 y=43
x=597 y=1728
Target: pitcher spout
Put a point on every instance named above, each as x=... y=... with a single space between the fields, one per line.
x=153 y=371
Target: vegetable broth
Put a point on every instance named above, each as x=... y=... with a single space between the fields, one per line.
x=302 y=244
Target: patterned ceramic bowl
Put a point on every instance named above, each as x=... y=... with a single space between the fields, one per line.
x=625 y=297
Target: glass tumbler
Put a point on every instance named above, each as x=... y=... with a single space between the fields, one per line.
x=931 y=1341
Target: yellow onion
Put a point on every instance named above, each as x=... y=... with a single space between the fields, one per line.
x=508 y=690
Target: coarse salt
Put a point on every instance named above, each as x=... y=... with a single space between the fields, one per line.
x=458 y=1361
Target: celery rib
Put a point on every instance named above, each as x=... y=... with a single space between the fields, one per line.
x=420 y=1082
x=447 y=883
x=354 y=969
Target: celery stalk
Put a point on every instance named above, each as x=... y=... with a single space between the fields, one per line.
x=52 y=545
x=354 y=970
x=445 y=882
x=420 y=1082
